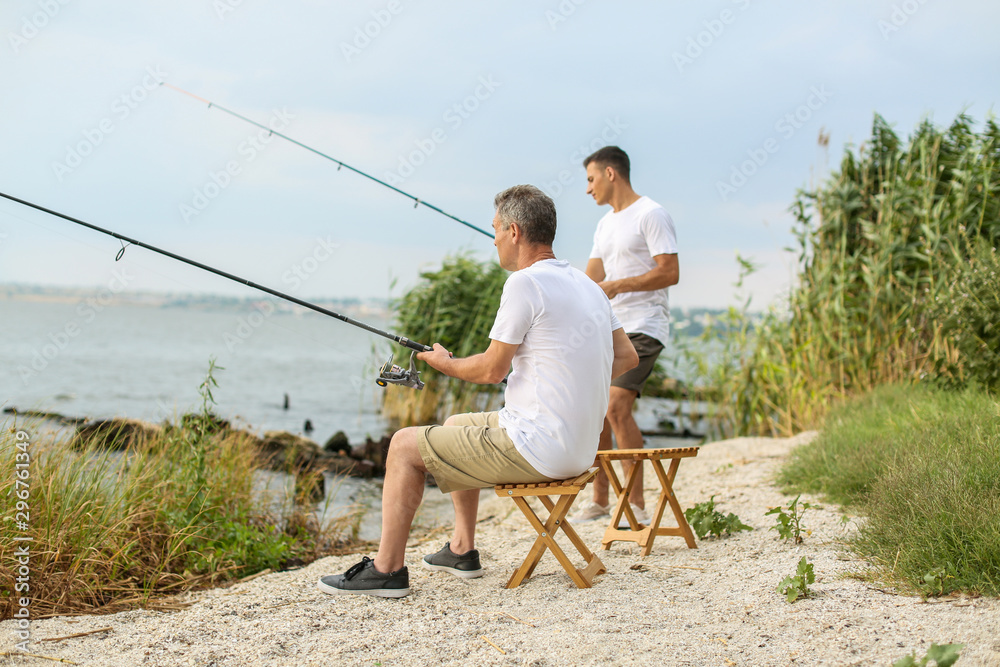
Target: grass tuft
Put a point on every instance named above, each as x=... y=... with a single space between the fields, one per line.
x=176 y=510
x=923 y=465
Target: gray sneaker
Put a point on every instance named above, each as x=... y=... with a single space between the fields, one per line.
x=464 y=565
x=364 y=579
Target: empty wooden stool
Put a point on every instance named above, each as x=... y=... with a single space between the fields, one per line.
x=644 y=535
x=566 y=492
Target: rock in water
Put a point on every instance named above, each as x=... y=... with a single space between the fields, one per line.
x=338 y=444
x=114 y=433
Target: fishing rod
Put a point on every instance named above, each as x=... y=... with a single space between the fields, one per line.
x=389 y=373
x=416 y=200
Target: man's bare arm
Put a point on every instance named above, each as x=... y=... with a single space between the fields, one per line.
x=626 y=357
x=595 y=269
x=664 y=274
x=489 y=367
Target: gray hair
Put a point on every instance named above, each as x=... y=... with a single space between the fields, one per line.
x=532 y=210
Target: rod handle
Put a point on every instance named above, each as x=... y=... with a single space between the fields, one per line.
x=413 y=345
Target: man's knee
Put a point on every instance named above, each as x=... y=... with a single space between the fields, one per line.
x=404 y=449
x=620 y=405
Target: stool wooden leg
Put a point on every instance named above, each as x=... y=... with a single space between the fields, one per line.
x=622 y=507
x=667 y=484
x=589 y=557
x=546 y=540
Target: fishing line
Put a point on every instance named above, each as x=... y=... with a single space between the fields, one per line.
x=388 y=374
x=416 y=200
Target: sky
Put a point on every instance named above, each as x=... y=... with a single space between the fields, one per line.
x=718 y=103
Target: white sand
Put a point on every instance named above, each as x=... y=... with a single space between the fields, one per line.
x=715 y=605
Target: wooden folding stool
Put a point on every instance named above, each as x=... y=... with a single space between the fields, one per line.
x=567 y=491
x=644 y=535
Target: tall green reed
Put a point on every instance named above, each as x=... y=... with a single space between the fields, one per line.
x=880 y=243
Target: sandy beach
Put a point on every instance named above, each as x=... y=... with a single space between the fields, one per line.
x=714 y=605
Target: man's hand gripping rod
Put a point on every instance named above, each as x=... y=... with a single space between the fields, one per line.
x=390 y=373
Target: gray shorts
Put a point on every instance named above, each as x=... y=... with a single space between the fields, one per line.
x=648 y=349
x=474 y=454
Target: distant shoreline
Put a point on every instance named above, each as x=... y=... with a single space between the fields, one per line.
x=689 y=320
x=371 y=307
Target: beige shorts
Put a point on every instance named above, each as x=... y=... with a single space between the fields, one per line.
x=474 y=454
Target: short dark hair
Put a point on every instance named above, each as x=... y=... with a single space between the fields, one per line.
x=532 y=210
x=611 y=156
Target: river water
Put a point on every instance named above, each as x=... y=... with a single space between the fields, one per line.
x=95 y=357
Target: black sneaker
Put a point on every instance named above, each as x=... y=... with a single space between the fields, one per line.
x=465 y=565
x=364 y=579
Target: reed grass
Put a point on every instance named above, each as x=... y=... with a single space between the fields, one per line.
x=456 y=307
x=175 y=511
x=922 y=464
x=882 y=244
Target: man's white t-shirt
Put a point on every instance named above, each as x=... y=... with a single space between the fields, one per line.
x=557 y=394
x=626 y=243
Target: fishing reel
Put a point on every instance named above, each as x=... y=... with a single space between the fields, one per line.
x=390 y=373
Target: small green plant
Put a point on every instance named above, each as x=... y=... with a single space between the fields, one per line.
x=943 y=655
x=797 y=586
x=706 y=520
x=936 y=581
x=789 y=524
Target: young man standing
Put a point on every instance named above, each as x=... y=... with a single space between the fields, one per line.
x=634 y=260
x=554 y=401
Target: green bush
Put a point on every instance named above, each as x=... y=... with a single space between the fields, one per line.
x=456 y=307
x=970 y=319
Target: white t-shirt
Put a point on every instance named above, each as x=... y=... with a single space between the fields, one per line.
x=626 y=243
x=557 y=394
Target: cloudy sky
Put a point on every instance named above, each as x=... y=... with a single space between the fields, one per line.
x=719 y=104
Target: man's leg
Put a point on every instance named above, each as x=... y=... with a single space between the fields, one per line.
x=466 y=505
x=628 y=436
x=601 y=480
x=402 y=491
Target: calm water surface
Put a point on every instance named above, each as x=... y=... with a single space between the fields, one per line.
x=146 y=362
